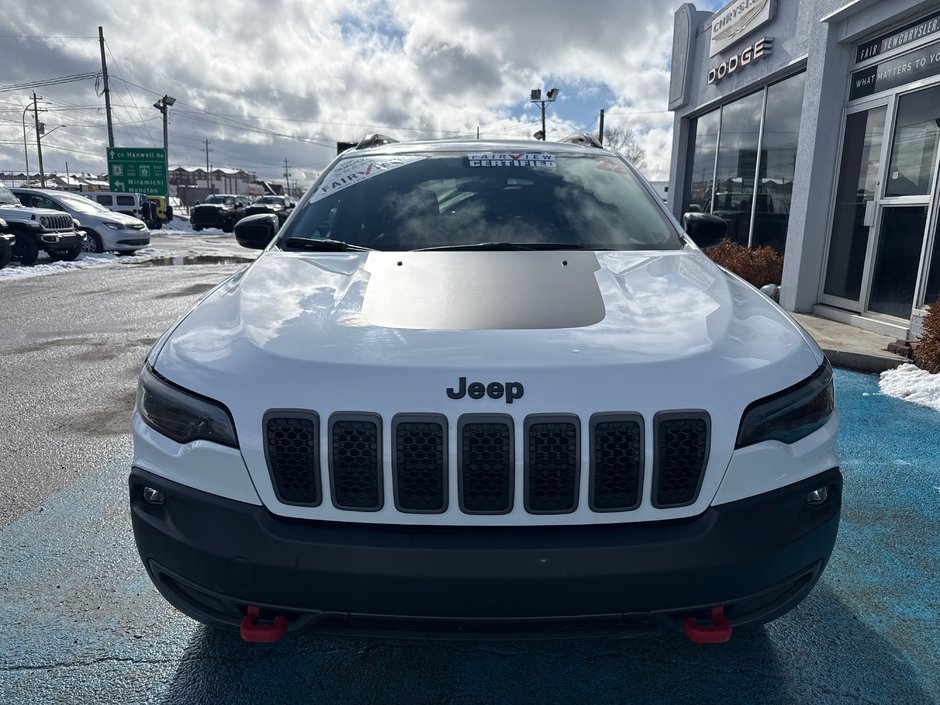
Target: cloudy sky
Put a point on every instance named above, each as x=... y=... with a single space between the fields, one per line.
x=285 y=79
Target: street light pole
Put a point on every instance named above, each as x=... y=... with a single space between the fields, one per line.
x=536 y=97
x=162 y=105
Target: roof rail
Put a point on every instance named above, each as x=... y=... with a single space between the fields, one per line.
x=375 y=140
x=585 y=139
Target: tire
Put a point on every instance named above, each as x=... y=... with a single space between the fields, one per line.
x=197 y=228
x=66 y=255
x=26 y=249
x=228 y=226
x=92 y=242
x=6 y=254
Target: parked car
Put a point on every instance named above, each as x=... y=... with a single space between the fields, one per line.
x=281 y=206
x=491 y=389
x=220 y=210
x=39 y=229
x=7 y=241
x=105 y=230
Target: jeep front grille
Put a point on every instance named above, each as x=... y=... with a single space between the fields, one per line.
x=57 y=222
x=356 y=461
x=486 y=461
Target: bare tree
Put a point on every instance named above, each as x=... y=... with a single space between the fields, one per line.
x=622 y=139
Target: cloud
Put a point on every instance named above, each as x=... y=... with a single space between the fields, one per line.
x=285 y=79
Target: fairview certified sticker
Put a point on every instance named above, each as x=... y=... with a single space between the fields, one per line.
x=352 y=171
x=530 y=159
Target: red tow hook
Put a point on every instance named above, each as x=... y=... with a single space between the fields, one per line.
x=252 y=631
x=718 y=632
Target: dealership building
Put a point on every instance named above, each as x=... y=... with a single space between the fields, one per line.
x=812 y=126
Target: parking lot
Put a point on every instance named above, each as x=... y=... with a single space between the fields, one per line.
x=82 y=623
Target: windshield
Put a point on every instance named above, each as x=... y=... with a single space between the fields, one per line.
x=82 y=205
x=7 y=198
x=277 y=200
x=220 y=199
x=407 y=202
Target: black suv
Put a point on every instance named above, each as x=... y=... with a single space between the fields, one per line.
x=281 y=206
x=7 y=240
x=220 y=210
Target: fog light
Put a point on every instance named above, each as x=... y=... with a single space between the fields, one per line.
x=817 y=497
x=152 y=496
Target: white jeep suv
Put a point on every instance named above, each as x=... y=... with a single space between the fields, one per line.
x=488 y=389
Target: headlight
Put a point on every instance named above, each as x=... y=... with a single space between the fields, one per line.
x=114 y=226
x=44 y=221
x=791 y=414
x=181 y=415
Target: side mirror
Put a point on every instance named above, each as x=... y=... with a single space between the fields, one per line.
x=256 y=231
x=705 y=229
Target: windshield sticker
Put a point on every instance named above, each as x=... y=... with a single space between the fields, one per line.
x=352 y=171
x=529 y=159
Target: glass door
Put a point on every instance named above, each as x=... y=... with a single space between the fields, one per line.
x=854 y=213
x=909 y=185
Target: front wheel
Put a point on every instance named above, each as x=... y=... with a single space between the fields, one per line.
x=92 y=242
x=25 y=250
x=6 y=254
x=66 y=255
x=197 y=228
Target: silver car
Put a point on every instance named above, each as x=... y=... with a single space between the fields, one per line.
x=105 y=230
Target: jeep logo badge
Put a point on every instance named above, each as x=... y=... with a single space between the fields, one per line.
x=494 y=390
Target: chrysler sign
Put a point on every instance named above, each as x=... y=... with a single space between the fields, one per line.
x=737 y=19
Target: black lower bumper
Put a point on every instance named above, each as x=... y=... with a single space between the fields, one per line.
x=212 y=557
x=61 y=243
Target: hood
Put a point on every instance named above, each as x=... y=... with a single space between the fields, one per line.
x=18 y=212
x=123 y=218
x=294 y=322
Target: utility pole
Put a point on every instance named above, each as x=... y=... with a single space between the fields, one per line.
x=162 y=105
x=42 y=174
x=600 y=128
x=107 y=90
x=208 y=186
x=287 y=177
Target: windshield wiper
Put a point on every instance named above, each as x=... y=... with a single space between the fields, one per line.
x=321 y=245
x=505 y=246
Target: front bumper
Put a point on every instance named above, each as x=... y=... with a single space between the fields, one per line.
x=212 y=557
x=56 y=242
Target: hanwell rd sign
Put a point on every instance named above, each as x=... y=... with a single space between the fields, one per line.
x=137 y=170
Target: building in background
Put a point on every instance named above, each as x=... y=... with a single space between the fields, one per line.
x=813 y=126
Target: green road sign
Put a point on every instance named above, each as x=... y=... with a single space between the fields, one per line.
x=137 y=170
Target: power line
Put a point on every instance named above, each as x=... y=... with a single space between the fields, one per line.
x=49 y=81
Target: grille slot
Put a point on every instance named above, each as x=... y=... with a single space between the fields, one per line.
x=292 y=450
x=485 y=460
x=681 y=453
x=356 y=461
x=616 y=462
x=552 y=462
x=419 y=462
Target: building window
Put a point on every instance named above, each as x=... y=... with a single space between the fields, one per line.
x=700 y=179
x=778 y=162
x=731 y=146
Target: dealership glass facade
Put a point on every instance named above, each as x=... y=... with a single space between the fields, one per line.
x=825 y=146
x=742 y=160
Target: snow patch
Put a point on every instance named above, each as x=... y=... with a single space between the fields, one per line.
x=910 y=383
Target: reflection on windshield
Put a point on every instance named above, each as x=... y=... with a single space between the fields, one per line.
x=83 y=205
x=590 y=201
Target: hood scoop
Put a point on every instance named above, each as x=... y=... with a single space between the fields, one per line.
x=482 y=290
